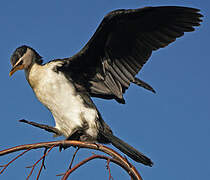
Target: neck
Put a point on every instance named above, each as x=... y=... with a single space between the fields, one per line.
x=32 y=74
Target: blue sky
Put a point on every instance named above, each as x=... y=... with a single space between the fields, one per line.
x=172 y=126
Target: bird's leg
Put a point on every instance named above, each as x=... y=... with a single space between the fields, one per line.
x=79 y=134
x=76 y=133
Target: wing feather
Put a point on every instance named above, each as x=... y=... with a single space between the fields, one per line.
x=122 y=44
x=125 y=70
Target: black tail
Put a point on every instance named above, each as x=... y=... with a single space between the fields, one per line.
x=127 y=149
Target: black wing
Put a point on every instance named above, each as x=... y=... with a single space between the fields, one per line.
x=121 y=45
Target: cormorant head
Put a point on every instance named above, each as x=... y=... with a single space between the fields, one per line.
x=23 y=58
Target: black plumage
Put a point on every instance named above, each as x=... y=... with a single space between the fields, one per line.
x=19 y=52
x=122 y=44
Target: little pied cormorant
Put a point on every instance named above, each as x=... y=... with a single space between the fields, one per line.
x=104 y=68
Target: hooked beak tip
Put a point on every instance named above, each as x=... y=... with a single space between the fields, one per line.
x=10 y=74
x=13 y=70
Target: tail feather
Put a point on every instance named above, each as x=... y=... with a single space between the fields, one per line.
x=127 y=149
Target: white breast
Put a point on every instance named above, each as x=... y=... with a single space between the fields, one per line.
x=58 y=94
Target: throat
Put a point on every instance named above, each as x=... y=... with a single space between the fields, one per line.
x=34 y=74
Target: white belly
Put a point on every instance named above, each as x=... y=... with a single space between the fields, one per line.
x=67 y=107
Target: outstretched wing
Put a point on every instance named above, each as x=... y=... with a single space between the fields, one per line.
x=122 y=44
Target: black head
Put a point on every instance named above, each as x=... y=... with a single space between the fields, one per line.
x=20 y=51
x=23 y=57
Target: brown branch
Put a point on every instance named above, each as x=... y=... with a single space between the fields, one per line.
x=116 y=157
x=10 y=162
x=42 y=165
x=66 y=175
x=109 y=170
x=34 y=165
x=43 y=126
x=72 y=160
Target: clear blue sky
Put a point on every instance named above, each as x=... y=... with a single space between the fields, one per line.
x=172 y=127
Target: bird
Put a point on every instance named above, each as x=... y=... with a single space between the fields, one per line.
x=104 y=68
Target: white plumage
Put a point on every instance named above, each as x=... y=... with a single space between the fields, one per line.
x=58 y=94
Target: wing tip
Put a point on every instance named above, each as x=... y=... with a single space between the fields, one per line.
x=143 y=84
x=120 y=100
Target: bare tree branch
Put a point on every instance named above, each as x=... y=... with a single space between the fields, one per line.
x=43 y=126
x=72 y=160
x=115 y=157
x=43 y=165
x=66 y=175
x=109 y=169
x=10 y=162
x=34 y=165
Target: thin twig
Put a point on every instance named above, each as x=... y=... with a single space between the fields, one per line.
x=109 y=170
x=10 y=162
x=72 y=160
x=34 y=165
x=73 y=157
x=42 y=166
x=43 y=126
x=66 y=175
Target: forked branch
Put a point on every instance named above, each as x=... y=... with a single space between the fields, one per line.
x=113 y=156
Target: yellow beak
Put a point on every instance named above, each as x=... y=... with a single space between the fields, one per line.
x=15 y=68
